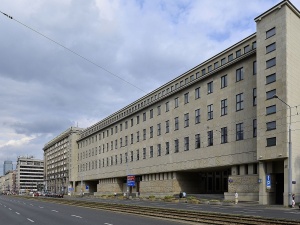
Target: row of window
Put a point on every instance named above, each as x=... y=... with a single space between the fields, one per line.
x=118 y=159
x=271 y=125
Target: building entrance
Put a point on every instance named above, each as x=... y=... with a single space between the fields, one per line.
x=214 y=182
x=279 y=188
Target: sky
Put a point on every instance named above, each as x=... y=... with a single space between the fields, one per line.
x=75 y=62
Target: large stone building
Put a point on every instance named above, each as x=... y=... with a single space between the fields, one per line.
x=215 y=129
x=29 y=175
x=60 y=159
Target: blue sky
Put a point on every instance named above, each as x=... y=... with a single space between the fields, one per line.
x=46 y=89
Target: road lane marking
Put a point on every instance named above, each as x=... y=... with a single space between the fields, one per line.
x=17 y=213
x=54 y=210
x=108 y=223
x=77 y=216
x=9 y=208
x=41 y=207
x=30 y=220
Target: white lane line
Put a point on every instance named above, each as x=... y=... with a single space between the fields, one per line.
x=54 y=210
x=77 y=216
x=108 y=223
x=41 y=207
x=17 y=213
x=31 y=204
x=30 y=220
x=9 y=208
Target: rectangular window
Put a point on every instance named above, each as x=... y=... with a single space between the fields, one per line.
x=137 y=155
x=203 y=72
x=176 y=101
x=197 y=116
x=254 y=101
x=144 y=134
x=271 y=141
x=144 y=153
x=137 y=119
x=167 y=107
x=239 y=74
x=126 y=124
x=254 y=45
x=158 y=149
x=131 y=139
x=271 y=125
x=197 y=93
x=271 y=78
x=210 y=87
x=176 y=123
x=210 y=112
x=126 y=140
x=186 y=98
x=151 y=151
x=223 y=61
x=224 y=81
x=121 y=127
x=270 y=63
x=158 y=129
x=186 y=144
x=158 y=110
x=238 y=53
x=270 y=94
x=151 y=113
x=137 y=136
x=131 y=122
x=216 y=65
x=239 y=131
x=144 y=116
x=186 y=80
x=197 y=75
x=223 y=107
x=254 y=128
x=270 y=32
x=209 y=68
x=271 y=48
x=131 y=156
x=151 y=132
x=239 y=102
x=176 y=145
x=254 y=68
x=197 y=141
x=167 y=126
x=271 y=109
x=186 y=120
x=210 y=138
x=223 y=135
x=230 y=57
x=167 y=148
x=246 y=48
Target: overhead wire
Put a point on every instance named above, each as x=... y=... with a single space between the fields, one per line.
x=73 y=52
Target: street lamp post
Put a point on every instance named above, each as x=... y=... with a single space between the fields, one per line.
x=290 y=152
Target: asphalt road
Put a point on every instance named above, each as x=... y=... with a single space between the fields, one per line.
x=17 y=211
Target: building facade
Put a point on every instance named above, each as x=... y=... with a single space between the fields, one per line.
x=7 y=166
x=229 y=124
x=29 y=175
x=59 y=160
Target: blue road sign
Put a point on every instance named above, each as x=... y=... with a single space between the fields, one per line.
x=268 y=181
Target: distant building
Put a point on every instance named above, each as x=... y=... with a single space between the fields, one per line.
x=29 y=174
x=7 y=166
x=60 y=158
